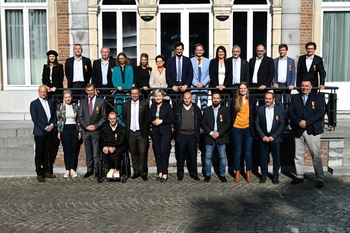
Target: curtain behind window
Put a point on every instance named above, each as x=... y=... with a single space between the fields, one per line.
x=15 y=47
x=336 y=47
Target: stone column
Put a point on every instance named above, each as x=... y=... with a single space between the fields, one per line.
x=52 y=22
x=147 y=10
x=93 y=28
x=222 y=25
x=316 y=24
x=276 y=27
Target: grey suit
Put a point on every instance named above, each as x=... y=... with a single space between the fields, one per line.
x=91 y=139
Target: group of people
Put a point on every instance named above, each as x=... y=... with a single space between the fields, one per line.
x=132 y=121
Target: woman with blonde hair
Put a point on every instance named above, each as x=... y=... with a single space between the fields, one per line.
x=243 y=110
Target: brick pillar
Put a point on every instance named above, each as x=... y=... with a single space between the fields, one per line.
x=306 y=23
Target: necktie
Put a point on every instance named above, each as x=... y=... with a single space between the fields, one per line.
x=90 y=106
x=304 y=99
x=133 y=128
x=179 y=69
x=199 y=70
x=235 y=79
x=47 y=110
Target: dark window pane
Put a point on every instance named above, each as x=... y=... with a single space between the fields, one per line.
x=109 y=31
x=184 y=1
x=199 y=32
x=239 y=32
x=243 y=2
x=118 y=2
x=170 y=33
x=130 y=36
x=259 y=29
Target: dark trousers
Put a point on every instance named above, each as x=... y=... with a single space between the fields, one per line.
x=162 y=146
x=78 y=85
x=92 y=149
x=265 y=149
x=69 y=138
x=114 y=160
x=42 y=145
x=186 y=149
x=53 y=149
x=138 y=147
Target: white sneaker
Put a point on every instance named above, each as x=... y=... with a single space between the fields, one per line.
x=73 y=173
x=116 y=174
x=66 y=174
x=110 y=173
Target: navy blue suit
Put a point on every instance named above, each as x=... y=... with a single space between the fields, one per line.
x=171 y=72
x=41 y=137
x=244 y=77
x=69 y=70
x=315 y=70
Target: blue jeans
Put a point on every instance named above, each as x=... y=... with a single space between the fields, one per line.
x=242 y=140
x=265 y=148
x=209 y=149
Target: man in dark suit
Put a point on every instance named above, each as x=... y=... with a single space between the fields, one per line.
x=269 y=124
x=102 y=71
x=92 y=115
x=135 y=115
x=78 y=69
x=43 y=116
x=238 y=69
x=311 y=65
x=216 y=123
x=113 y=140
x=187 y=134
x=305 y=113
x=261 y=70
x=179 y=71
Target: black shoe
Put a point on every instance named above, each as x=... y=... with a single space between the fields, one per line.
x=162 y=180
x=180 y=178
x=135 y=176
x=263 y=179
x=157 y=178
x=145 y=178
x=275 y=180
x=206 y=178
x=319 y=184
x=88 y=174
x=223 y=179
x=49 y=175
x=297 y=181
x=40 y=179
x=196 y=178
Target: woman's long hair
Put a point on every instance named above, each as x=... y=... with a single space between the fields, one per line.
x=239 y=97
x=126 y=59
x=223 y=49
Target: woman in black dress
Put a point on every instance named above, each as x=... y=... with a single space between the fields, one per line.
x=142 y=75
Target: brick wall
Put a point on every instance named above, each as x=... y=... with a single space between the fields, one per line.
x=306 y=24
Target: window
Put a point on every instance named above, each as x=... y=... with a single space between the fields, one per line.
x=25 y=42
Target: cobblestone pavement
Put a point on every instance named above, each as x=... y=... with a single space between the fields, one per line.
x=83 y=205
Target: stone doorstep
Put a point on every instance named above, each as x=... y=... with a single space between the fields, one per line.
x=339 y=170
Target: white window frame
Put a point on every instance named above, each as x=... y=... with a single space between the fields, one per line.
x=184 y=10
x=119 y=9
x=250 y=9
x=25 y=7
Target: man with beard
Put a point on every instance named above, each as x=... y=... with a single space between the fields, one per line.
x=216 y=124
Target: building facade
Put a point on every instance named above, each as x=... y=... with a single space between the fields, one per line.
x=31 y=27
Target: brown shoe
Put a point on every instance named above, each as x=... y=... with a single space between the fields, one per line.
x=249 y=176
x=49 y=175
x=237 y=176
x=40 y=179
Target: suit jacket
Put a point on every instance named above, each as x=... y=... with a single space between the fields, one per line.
x=96 y=78
x=116 y=138
x=312 y=113
x=244 y=77
x=142 y=76
x=223 y=123
x=69 y=70
x=57 y=76
x=171 y=72
x=290 y=79
x=39 y=118
x=214 y=72
x=98 y=114
x=117 y=78
x=277 y=123
x=143 y=117
x=265 y=73
x=205 y=77
x=166 y=114
x=252 y=114
x=178 y=120
x=315 y=70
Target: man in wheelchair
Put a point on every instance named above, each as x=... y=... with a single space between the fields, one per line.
x=113 y=142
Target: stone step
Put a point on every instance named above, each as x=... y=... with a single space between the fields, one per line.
x=16 y=152
x=13 y=141
x=339 y=170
